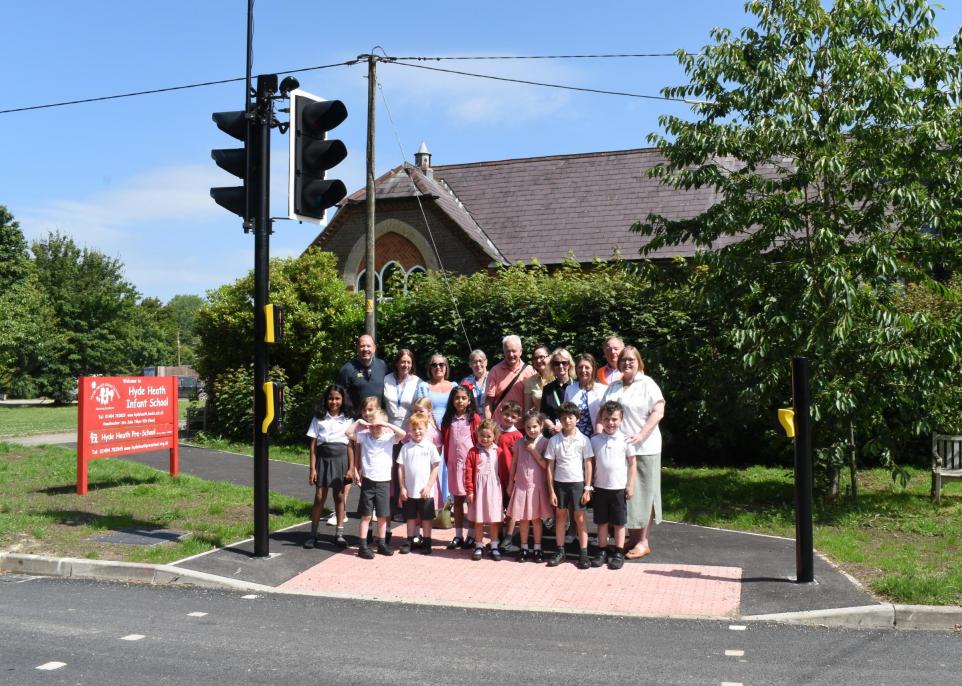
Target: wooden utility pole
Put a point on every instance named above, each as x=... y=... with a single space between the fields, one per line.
x=369 y=294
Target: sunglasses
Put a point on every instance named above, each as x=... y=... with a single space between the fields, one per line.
x=439 y=364
x=559 y=363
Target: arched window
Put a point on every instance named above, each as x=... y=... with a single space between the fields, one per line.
x=414 y=273
x=392 y=279
x=361 y=283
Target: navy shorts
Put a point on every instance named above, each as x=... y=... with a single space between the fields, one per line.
x=569 y=494
x=609 y=506
x=419 y=508
x=375 y=495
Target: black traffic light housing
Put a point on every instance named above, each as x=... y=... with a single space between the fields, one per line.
x=241 y=162
x=312 y=155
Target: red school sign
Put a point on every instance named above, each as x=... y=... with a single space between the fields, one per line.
x=120 y=415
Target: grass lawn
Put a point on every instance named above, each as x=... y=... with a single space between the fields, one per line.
x=29 y=420
x=284 y=453
x=41 y=513
x=898 y=543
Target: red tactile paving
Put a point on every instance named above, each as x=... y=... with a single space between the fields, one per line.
x=645 y=589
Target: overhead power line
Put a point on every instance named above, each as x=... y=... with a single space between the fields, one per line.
x=165 y=90
x=538 y=57
x=543 y=84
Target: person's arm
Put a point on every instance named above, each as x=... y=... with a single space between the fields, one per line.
x=589 y=468
x=469 y=466
x=549 y=476
x=351 y=460
x=532 y=448
x=632 y=469
x=512 y=471
x=403 y=493
x=399 y=433
x=312 y=477
x=428 y=489
x=655 y=416
x=351 y=431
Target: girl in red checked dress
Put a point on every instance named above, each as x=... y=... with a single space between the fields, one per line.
x=458 y=427
x=528 y=486
x=484 y=489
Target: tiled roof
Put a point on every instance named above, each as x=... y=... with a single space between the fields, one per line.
x=407 y=181
x=545 y=206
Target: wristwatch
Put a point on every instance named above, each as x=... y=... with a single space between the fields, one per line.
x=589 y=488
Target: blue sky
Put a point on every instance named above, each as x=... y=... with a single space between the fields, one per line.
x=131 y=177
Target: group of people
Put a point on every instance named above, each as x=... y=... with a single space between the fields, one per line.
x=510 y=449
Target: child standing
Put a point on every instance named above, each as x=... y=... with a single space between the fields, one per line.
x=569 y=481
x=528 y=485
x=331 y=459
x=418 y=464
x=510 y=419
x=613 y=467
x=424 y=407
x=459 y=434
x=376 y=443
x=483 y=489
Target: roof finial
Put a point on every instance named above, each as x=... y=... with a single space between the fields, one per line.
x=422 y=160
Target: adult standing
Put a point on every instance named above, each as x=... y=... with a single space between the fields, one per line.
x=506 y=379
x=586 y=393
x=553 y=395
x=477 y=380
x=612 y=349
x=534 y=386
x=400 y=389
x=644 y=406
x=364 y=375
x=437 y=387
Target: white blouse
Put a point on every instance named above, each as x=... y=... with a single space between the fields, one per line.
x=398 y=397
x=330 y=429
x=639 y=399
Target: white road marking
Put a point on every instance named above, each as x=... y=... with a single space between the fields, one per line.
x=132 y=637
x=196 y=614
x=736 y=627
x=48 y=666
x=252 y=596
x=731 y=683
x=734 y=653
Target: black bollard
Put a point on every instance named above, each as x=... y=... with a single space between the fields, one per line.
x=804 y=544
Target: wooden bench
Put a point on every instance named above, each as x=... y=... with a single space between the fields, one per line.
x=946 y=462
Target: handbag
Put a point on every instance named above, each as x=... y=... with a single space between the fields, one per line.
x=444 y=520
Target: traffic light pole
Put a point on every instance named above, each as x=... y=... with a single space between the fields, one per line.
x=266 y=86
x=370 y=315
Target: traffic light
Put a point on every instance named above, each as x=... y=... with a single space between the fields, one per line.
x=310 y=192
x=235 y=160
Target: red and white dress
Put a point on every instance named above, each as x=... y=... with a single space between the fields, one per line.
x=459 y=437
x=481 y=478
x=529 y=500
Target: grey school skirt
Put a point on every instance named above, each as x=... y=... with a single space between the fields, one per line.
x=647 y=495
x=331 y=464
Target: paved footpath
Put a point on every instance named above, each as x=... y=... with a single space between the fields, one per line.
x=693 y=571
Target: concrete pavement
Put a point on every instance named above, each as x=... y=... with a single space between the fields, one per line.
x=693 y=571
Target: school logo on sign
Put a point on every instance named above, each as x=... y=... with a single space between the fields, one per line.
x=104 y=394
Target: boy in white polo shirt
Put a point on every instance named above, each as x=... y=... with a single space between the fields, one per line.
x=613 y=467
x=569 y=481
x=417 y=471
x=376 y=441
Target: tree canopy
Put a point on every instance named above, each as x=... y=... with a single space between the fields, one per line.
x=831 y=137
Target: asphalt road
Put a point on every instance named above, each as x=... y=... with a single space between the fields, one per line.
x=113 y=633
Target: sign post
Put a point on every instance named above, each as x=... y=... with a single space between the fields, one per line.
x=121 y=415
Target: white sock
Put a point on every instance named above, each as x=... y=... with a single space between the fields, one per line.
x=494 y=544
x=537 y=546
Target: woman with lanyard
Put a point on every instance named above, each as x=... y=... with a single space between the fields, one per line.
x=478 y=380
x=553 y=395
x=400 y=390
x=437 y=387
x=586 y=393
x=644 y=406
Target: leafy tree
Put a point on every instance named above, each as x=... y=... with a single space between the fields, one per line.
x=183 y=310
x=321 y=320
x=14 y=258
x=31 y=345
x=93 y=307
x=831 y=138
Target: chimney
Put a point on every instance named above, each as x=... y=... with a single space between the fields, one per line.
x=422 y=160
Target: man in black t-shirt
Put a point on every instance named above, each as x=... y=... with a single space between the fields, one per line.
x=364 y=375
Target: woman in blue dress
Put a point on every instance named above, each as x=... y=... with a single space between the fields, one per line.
x=438 y=387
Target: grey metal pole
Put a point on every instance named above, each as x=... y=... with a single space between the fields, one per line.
x=266 y=86
x=804 y=543
x=369 y=294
